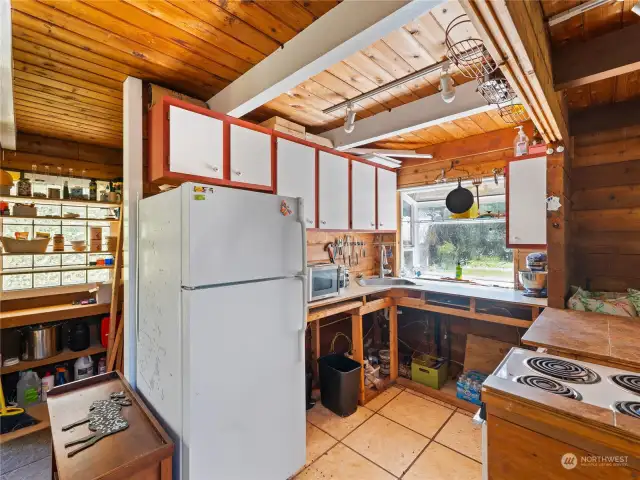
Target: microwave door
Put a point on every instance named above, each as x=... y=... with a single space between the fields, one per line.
x=324 y=283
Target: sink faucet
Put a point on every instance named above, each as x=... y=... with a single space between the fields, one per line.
x=383 y=262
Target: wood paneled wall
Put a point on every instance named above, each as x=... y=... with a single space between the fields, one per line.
x=101 y=163
x=606 y=210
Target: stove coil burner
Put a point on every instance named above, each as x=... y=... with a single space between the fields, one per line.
x=563 y=370
x=628 y=381
x=549 y=385
x=628 y=408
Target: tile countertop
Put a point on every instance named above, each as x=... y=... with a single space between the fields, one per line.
x=592 y=335
x=434 y=286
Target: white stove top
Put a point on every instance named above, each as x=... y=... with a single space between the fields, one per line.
x=582 y=381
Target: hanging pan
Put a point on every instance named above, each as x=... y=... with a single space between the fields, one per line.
x=460 y=199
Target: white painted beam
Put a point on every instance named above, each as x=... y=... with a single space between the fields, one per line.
x=345 y=29
x=422 y=113
x=7 y=116
x=381 y=151
x=132 y=193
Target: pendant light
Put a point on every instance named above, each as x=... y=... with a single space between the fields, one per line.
x=350 y=119
x=447 y=89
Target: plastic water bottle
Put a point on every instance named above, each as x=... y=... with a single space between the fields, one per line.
x=28 y=389
x=47 y=384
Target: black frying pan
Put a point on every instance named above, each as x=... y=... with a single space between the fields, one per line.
x=459 y=199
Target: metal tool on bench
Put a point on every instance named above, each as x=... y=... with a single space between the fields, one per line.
x=104 y=419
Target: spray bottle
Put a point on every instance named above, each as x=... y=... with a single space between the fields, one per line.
x=520 y=143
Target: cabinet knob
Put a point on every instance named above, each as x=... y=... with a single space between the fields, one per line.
x=213 y=167
x=323 y=222
x=373 y=224
x=381 y=223
x=237 y=172
x=309 y=220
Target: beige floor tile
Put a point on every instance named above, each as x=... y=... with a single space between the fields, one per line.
x=440 y=463
x=382 y=399
x=337 y=427
x=341 y=463
x=387 y=444
x=416 y=413
x=318 y=442
x=462 y=435
x=431 y=399
x=464 y=412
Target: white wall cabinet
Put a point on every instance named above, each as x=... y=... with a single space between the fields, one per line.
x=363 y=196
x=297 y=175
x=195 y=143
x=387 y=213
x=527 y=202
x=334 y=191
x=250 y=156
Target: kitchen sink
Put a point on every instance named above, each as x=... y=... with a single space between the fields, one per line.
x=367 y=282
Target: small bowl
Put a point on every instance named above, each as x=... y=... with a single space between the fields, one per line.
x=78 y=245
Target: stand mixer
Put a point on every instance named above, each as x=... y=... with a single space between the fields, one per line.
x=534 y=278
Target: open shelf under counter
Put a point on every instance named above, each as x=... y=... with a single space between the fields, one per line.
x=445 y=394
x=66 y=268
x=41 y=413
x=63 y=356
x=58 y=201
x=52 y=313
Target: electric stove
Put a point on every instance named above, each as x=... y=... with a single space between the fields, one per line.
x=598 y=385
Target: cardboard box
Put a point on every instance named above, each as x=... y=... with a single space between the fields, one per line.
x=325 y=142
x=156 y=93
x=278 y=123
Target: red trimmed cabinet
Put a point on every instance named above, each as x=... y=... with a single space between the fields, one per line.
x=341 y=191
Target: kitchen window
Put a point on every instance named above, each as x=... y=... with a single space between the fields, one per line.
x=434 y=240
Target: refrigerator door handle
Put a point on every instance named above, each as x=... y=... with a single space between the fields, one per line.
x=303 y=273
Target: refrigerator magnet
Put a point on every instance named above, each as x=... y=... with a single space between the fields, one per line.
x=284 y=209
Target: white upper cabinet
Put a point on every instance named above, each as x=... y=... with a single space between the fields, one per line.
x=297 y=175
x=334 y=191
x=363 y=196
x=387 y=219
x=250 y=156
x=527 y=202
x=195 y=143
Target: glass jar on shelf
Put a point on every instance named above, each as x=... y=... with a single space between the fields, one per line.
x=38 y=186
x=24 y=186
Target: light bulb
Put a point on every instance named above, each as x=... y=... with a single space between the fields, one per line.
x=350 y=120
x=447 y=89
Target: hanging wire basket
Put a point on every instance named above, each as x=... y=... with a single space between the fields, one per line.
x=495 y=89
x=513 y=113
x=468 y=54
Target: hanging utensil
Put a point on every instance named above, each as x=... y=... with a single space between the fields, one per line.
x=477 y=182
x=460 y=199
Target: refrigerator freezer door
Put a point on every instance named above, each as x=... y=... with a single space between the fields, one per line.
x=232 y=235
x=243 y=381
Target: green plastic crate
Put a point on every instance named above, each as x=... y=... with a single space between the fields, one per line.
x=429 y=371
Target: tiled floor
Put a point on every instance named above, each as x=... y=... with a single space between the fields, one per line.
x=401 y=434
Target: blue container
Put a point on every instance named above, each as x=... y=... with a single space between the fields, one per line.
x=469 y=386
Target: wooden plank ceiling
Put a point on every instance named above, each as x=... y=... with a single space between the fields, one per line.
x=593 y=23
x=71 y=57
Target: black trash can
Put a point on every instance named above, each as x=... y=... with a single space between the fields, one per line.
x=339 y=383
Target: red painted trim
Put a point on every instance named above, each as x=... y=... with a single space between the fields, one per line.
x=506 y=215
x=349 y=230
x=226 y=151
x=376 y=197
x=274 y=165
x=317 y=182
x=350 y=196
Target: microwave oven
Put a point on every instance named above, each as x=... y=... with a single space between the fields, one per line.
x=324 y=281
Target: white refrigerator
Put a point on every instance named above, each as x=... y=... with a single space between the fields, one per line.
x=221 y=322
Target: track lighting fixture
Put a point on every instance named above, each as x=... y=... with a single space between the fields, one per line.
x=447 y=89
x=350 y=119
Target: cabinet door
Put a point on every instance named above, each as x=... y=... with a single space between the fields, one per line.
x=526 y=202
x=363 y=196
x=195 y=143
x=334 y=192
x=297 y=175
x=250 y=156
x=387 y=219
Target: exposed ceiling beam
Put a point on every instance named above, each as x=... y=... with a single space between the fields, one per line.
x=344 y=30
x=381 y=151
x=607 y=56
x=577 y=10
x=605 y=117
x=423 y=113
x=7 y=116
x=515 y=35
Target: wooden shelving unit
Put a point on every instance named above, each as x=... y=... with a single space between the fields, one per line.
x=63 y=356
x=66 y=268
x=39 y=412
x=57 y=201
x=53 y=313
x=75 y=219
x=65 y=252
